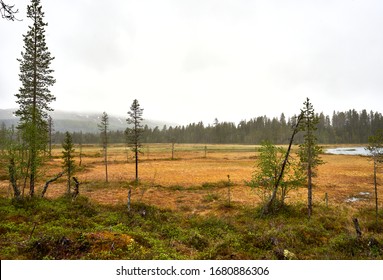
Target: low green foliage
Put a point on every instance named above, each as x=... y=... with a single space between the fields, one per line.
x=267 y=174
x=66 y=229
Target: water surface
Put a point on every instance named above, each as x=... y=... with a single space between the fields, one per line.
x=348 y=151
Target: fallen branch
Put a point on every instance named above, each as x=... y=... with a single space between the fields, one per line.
x=33 y=230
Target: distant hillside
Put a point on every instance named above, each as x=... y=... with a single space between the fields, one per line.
x=75 y=122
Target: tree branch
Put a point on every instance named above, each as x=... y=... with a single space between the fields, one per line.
x=7 y=11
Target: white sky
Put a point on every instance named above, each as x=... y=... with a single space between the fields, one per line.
x=187 y=61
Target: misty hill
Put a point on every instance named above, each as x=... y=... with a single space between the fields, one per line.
x=75 y=121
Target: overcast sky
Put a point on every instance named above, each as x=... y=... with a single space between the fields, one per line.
x=197 y=60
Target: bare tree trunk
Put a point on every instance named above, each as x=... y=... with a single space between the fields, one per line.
x=76 y=187
x=309 y=176
x=50 y=181
x=68 y=179
x=266 y=209
x=357 y=228
x=32 y=174
x=309 y=186
x=136 y=155
x=129 y=195
x=376 y=193
x=12 y=178
x=106 y=162
x=33 y=143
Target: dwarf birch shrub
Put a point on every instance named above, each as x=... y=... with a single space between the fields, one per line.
x=267 y=171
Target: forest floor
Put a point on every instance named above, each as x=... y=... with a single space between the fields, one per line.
x=195 y=205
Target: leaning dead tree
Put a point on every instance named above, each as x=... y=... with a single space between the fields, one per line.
x=8 y=11
x=357 y=228
x=267 y=206
x=51 y=181
x=76 y=188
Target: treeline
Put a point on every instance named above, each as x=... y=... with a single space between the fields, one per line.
x=342 y=127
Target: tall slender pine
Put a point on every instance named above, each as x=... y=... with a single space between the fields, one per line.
x=375 y=148
x=309 y=151
x=103 y=127
x=34 y=95
x=135 y=131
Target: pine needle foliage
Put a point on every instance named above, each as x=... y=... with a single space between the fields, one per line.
x=375 y=147
x=34 y=95
x=103 y=128
x=135 y=130
x=309 y=150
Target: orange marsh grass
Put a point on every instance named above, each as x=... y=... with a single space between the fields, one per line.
x=179 y=183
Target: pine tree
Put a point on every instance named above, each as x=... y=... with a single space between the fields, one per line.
x=68 y=161
x=375 y=147
x=134 y=132
x=34 y=95
x=103 y=127
x=309 y=150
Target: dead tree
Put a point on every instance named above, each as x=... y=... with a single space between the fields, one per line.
x=76 y=188
x=274 y=194
x=50 y=181
x=357 y=228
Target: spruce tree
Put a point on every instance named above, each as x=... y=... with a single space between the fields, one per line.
x=34 y=95
x=103 y=127
x=134 y=132
x=309 y=151
x=375 y=147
